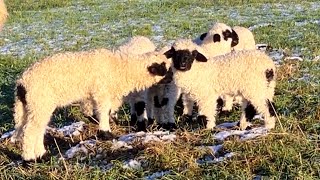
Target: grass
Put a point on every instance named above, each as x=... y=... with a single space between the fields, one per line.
x=36 y=29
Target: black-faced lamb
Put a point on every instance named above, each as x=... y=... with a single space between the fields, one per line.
x=248 y=73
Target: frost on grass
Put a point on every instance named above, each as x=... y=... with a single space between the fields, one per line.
x=83 y=147
x=156 y=175
x=132 y=164
x=74 y=129
x=6 y=135
x=244 y=134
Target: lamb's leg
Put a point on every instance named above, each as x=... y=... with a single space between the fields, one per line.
x=34 y=130
x=150 y=105
x=140 y=114
x=266 y=108
x=188 y=104
x=104 y=110
x=20 y=120
x=86 y=107
x=228 y=103
x=248 y=112
x=207 y=112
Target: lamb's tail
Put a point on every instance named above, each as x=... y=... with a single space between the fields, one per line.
x=20 y=112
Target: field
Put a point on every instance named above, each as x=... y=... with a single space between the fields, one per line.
x=291 y=29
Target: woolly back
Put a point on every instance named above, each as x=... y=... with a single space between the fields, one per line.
x=137 y=45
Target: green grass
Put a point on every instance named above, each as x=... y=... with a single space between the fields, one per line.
x=36 y=29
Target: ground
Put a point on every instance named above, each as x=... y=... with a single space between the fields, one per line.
x=290 y=29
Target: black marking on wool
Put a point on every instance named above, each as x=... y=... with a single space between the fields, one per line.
x=226 y=34
x=235 y=38
x=21 y=94
x=156 y=102
x=167 y=78
x=164 y=101
x=272 y=108
x=202 y=36
x=158 y=69
x=269 y=74
x=139 y=107
x=250 y=111
x=216 y=38
x=219 y=104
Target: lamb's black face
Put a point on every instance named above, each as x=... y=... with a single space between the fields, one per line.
x=183 y=59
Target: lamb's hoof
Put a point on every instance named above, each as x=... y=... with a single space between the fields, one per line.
x=28 y=163
x=170 y=126
x=133 y=119
x=187 y=118
x=141 y=126
x=105 y=135
x=150 y=121
x=202 y=120
x=244 y=126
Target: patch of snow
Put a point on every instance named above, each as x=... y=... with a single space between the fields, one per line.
x=132 y=164
x=74 y=129
x=227 y=125
x=297 y=58
x=209 y=160
x=156 y=175
x=119 y=144
x=215 y=148
x=244 y=134
x=251 y=28
x=81 y=147
x=6 y=135
x=147 y=137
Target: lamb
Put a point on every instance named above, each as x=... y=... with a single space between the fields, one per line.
x=219 y=43
x=3 y=14
x=248 y=73
x=56 y=81
x=219 y=40
x=242 y=39
x=137 y=45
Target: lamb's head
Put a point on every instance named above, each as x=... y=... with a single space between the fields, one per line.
x=183 y=53
x=220 y=33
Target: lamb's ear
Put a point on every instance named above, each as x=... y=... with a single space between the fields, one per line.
x=170 y=53
x=202 y=36
x=198 y=56
x=235 y=38
x=158 y=69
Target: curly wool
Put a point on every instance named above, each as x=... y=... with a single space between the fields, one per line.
x=61 y=79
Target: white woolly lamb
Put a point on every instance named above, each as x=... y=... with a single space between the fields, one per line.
x=247 y=73
x=100 y=75
x=242 y=39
